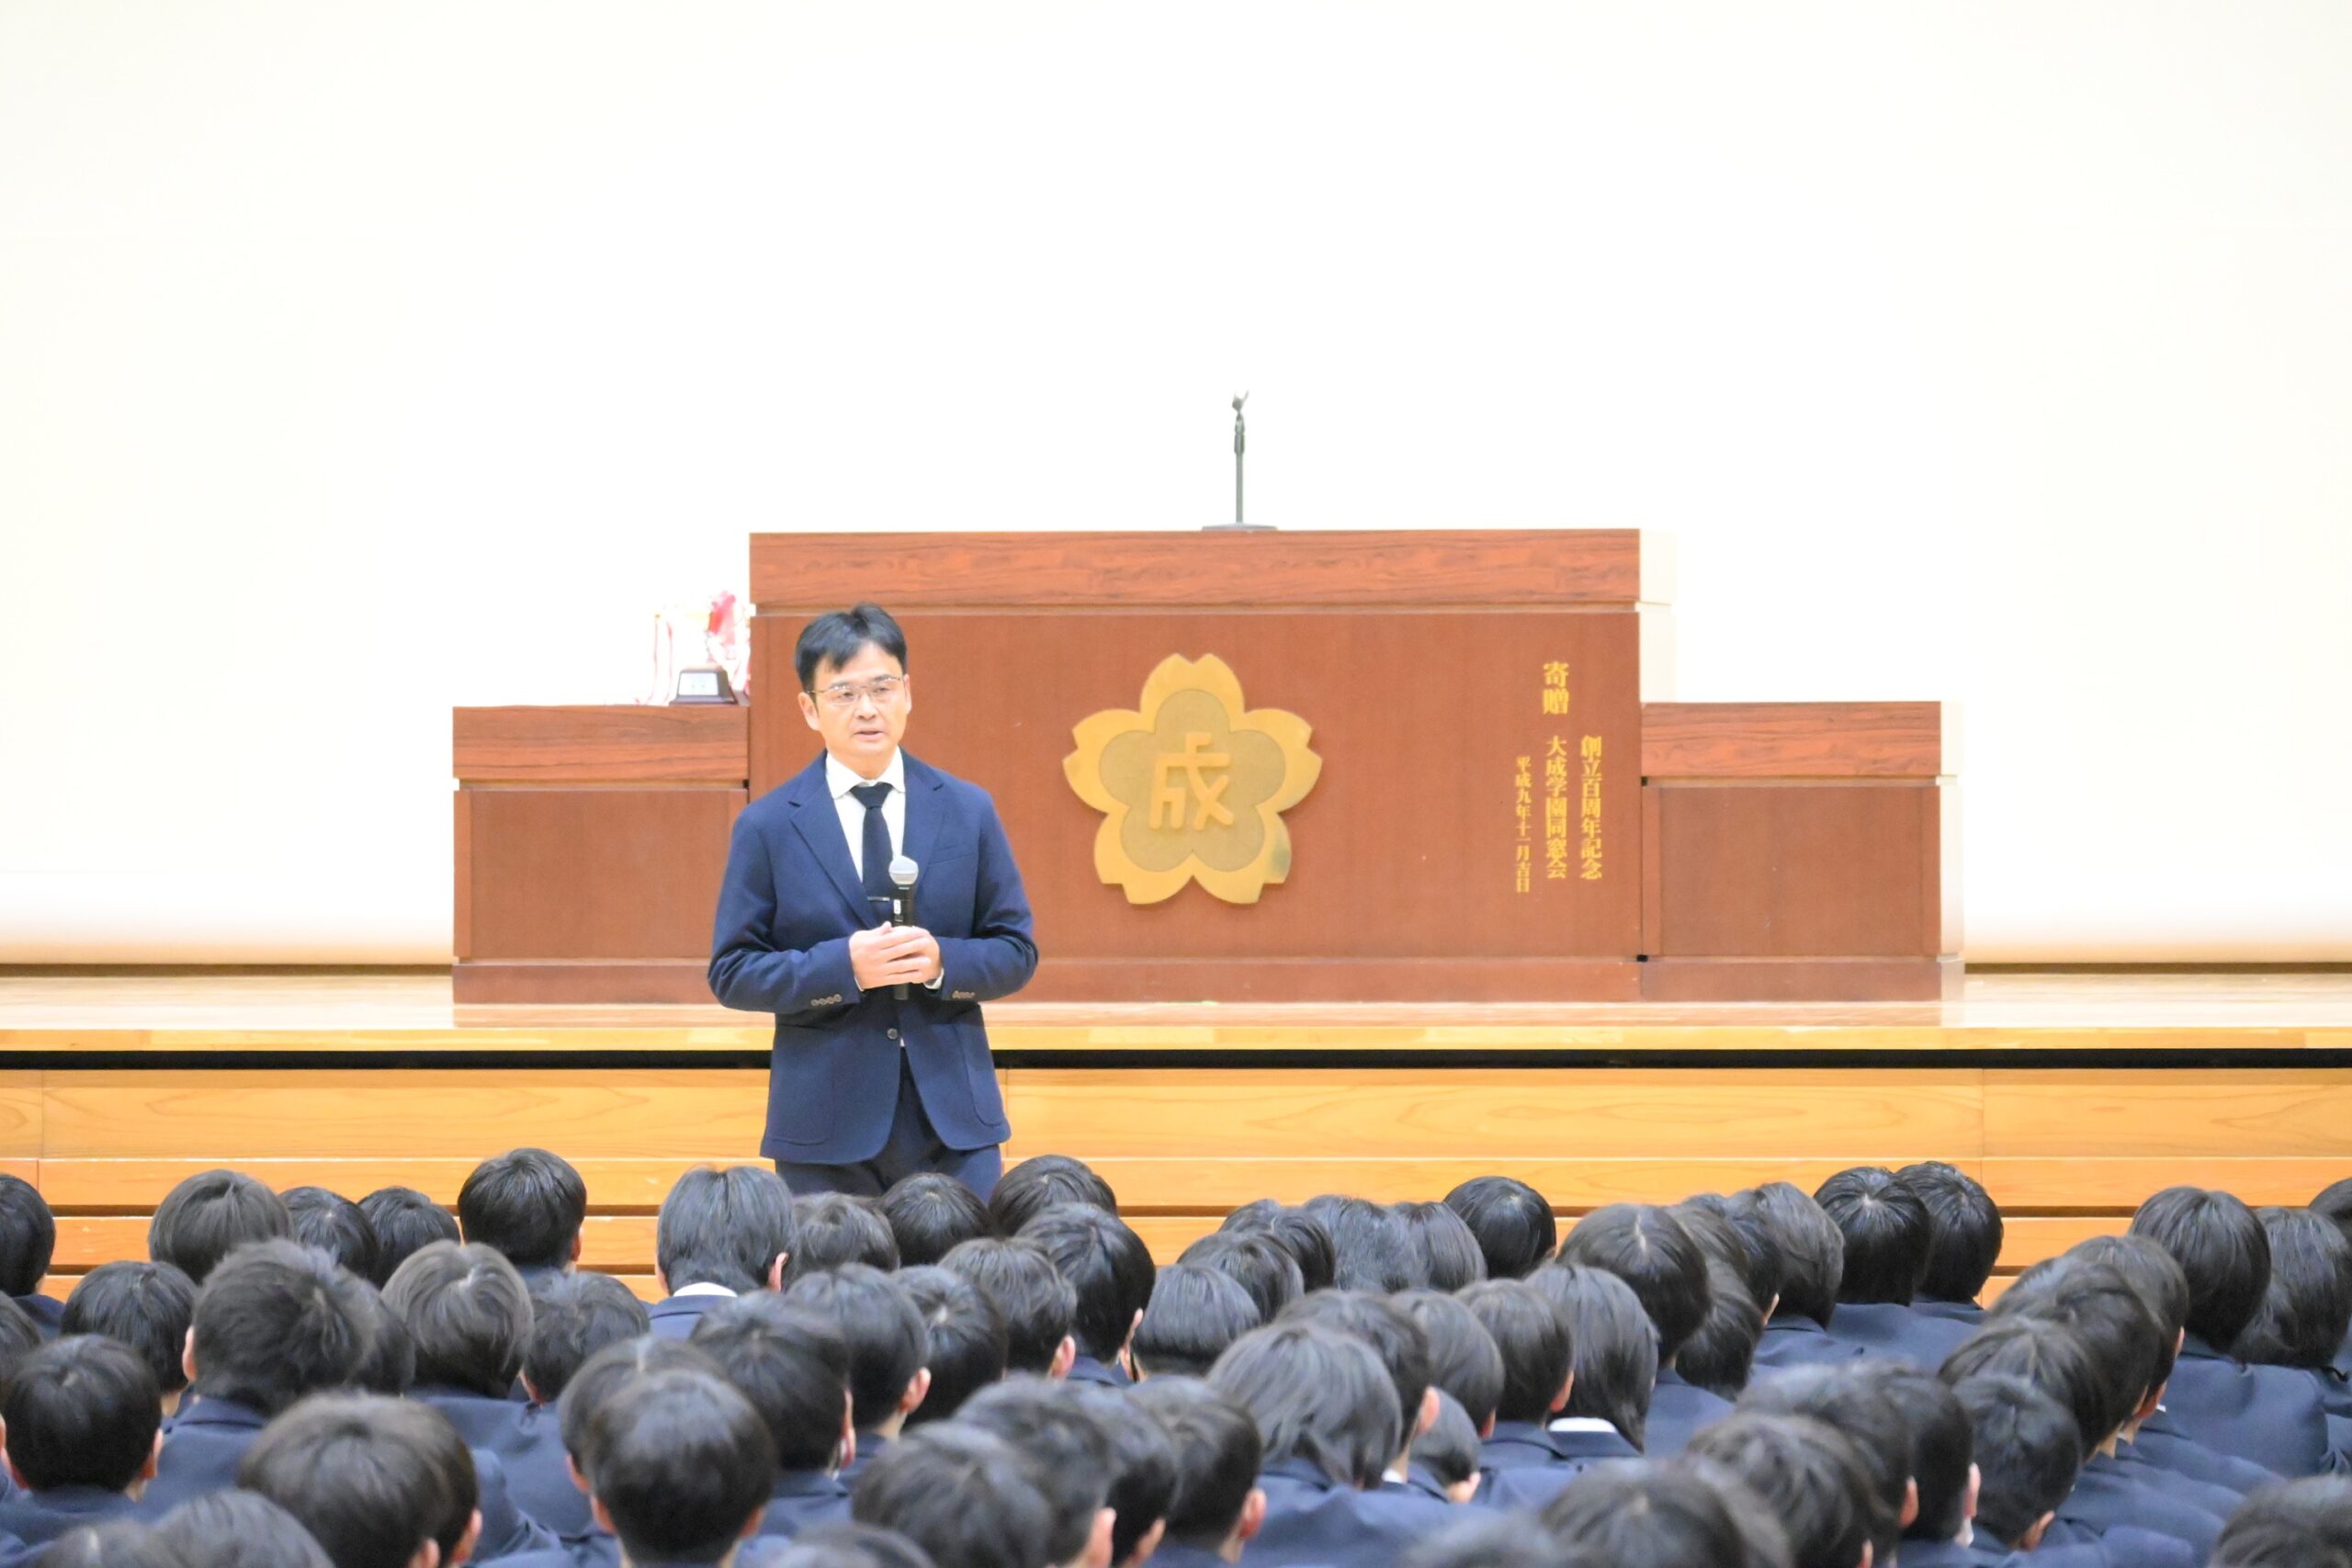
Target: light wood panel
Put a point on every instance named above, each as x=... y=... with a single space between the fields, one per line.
x=2084 y=1113
x=1729 y=740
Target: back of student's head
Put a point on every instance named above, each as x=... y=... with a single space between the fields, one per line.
x=2151 y=1272
x=1046 y=1423
x=929 y=1213
x=574 y=1316
x=1218 y=1453
x=2052 y=1359
x=275 y=1322
x=1450 y=1449
x=1722 y=1354
x=2318 y=1506
x=2223 y=1250
x=1464 y=1363
x=1107 y=1264
x=144 y=1306
x=1730 y=1232
x=607 y=1375
x=1195 y=1312
x=1040 y=1183
x=1392 y=1333
x=526 y=1204
x=372 y=1479
x=2255 y=1541
x=210 y=1215
x=118 y=1544
x=332 y=1223
x=1847 y=1401
x=1811 y=1248
x=792 y=1363
x=2028 y=1451
x=1941 y=1447
x=1447 y=1253
x=466 y=1313
x=1317 y=1395
x=1370 y=1247
x=238 y=1529
x=27 y=1236
x=1648 y=1514
x=82 y=1411
x=1648 y=1247
x=964 y=1343
x=404 y=1221
x=834 y=1228
x=1255 y=1261
x=965 y=1495
x=2308 y=1305
x=882 y=1330
x=1531 y=1333
x=1887 y=1230
x=1297 y=1232
x=1480 y=1537
x=1964 y=1230
x=2129 y=1349
x=1028 y=1292
x=1143 y=1467
x=845 y=1543
x=725 y=1227
x=2334 y=1202
x=1511 y=1221
x=1809 y=1474
x=1613 y=1347
x=389 y=1364
x=685 y=1464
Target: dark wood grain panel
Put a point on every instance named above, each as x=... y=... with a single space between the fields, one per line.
x=1800 y=979
x=799 y=572
x=682 y=982
x=594 y=873
x=1730 y=740
x=1245 y=978
x=692 y=743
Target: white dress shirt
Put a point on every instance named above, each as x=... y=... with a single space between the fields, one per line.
x=851 y=811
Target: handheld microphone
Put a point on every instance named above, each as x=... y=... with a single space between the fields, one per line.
x=903 y=872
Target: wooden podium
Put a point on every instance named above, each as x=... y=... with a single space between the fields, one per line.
x=1490 y=811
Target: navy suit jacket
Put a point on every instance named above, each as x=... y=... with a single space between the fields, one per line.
x=1678 y=1408
x=1898 y=1333
x=46 y=1312
x=529 y=1447
x=1085 y=1369
x=673 y=1317
x=1311 y=1519
x=781 y=944
x=2162 y=1443
x=38 y=1517
x=802 y=1498
x=1989 y=1553
x=1521 y=1480
x=2111 y=1492
x=2124 y=1546
x=1793 y=1341
x=2269 y=1415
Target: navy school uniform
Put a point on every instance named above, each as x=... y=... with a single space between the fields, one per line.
x=1894 y=1332
x=1792 y=1342
x=870 y=1446
x=36 y=1518
x=1310 y=1518
x=1575 y=1446
x=2162 y=1443
x=1420 y=1479
x=1105 y=1374
x=598 y=1548
x=673 y=1317
x=2125 y=1546
x=2111 y=1492
x=47 y=1312
x=1177 y=1554
x=1985 y=1552
x=1968 y=1313
x=1678 y=1409
x=528 y=1443
x=2269 y=1415
x=801 y=1500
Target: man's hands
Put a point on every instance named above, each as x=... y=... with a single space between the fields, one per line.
x=893 y=955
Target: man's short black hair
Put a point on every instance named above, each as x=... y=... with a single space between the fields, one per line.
x=685 y=1464
x=964 y=1344
x=146 y=1306
x=1648 y=1247
x=574 y=1316
x=332 y=1223
x=1614 y=1350
x=1449 y=1450
x=1941 y=1445
x=1143 y=1466
x=1105 y=1262
x=1647 y=1514
x=1028 y=1292
x=605 y=1376
x=1533 y=1335
x=929 y=1213
x=1302 y=1234
x=1254 y=1260
x=1394 y=1334
x=1045 y=1423
x=1449 y=1253
x=2308 y=1306
x=1847 y=1403
x=836 y=637
x=1193 y=1315
x=81 y=1412
x=1218 y=1455
x=27 y=1236
x=2129 y=1351
x=792 y=1363
x=1480 y=1537
x=238 y=1529
x=2319 y=1505
x=2254 y=1539
x=1887 y=1230
x=1730 y=1231
x=2028 y=1450
x=388 y=1366
x=404 y=1220
x=724 y=1227
x=2149 y=1272
x=880 y=1326
x=964 y=1496
x=1464 y=1365
x=2223 y=1250
x=210 y=1215
x=372 y=1479
x=1040 y=1183
x=1964 y=1230
x=1510 y=1220
x=526 y=1204
x=1809 y=1474
x=845 y=1543
x=275 y=1322
x=2053 y=1358
x=1811 y=1248
x=1317 y=1395
x=1720 y=1357
x=468 y=1314
x=118 y=1544
x=834 y=1228
x=1371 y=1248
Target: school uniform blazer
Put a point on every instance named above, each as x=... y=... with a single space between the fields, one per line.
x=2162 y=1443
x=1177 y=1555
x=528 y=1444
x=1988 y=1553
x=1678 y=1408
x=1312 y=1519
x=1793 y=1341
x=801 y=1499
x=2269 y=1415
x=1968 y=1313
x=870 y=1447
x=2107 y=1493
x=2125 y=1546
x=1894 y=1332
x=46 y=1312
x=673 y=1317
x=780 y=944
x=207 y=1438
x=1085 y=1369
x=37 y=1518
x=1520 y=1485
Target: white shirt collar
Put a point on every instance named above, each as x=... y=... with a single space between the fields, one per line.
x=840 y=780
x=704 y=1288
x=1581 y=1423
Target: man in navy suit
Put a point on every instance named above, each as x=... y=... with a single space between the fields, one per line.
x=881 y=1062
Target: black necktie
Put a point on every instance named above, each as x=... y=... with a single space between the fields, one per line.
x=876 y=856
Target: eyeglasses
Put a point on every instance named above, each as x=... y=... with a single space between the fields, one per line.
x=846 y=694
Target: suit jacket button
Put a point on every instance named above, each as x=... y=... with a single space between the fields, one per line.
x=892 y=1032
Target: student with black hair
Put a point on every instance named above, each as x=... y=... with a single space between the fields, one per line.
x=1645 y=1514
x=1964 y=1235
x=1943 y=1476
x=1731 y=1231
x=964 y=1338
x=1811 y=1476
x=1217 y=1507
x=2321 y=1504
x=1255 y=1261
x=1449 y=1452
x=607 y=1375
x=721 y=1232
x=2276 y=1543
x=834 y=1228
x=527 y=1204
x=1447 y=1253
x=574 y=1316
x=1029 y=1294
x=1812 y=1252
x=1511 y=1221
x=1195 y=1312
x=2028 y=1451
x=27 y=1241
x=378 y=1483
x=1464 y=1364
x=238 y=1529
x=1370 y=1247
x=1143 y=1472
x=2269 y=1415
x=1645 y=1246
x=118 y=1544
x=887 y=1380
x=1613 y=1364
x=793 y=1365
x=1843 y=1399
x=1297 y=1232
x=684 y=1471
x=2306 y=1311
x=1042 y=1182
x=1888 y=1237
x=1111 y=1269
x=964 y=1496
x=404 y=1220
x=845 y=1543
x=929 y=1213
x=145 y=1306
x=1395 y=1338
x=332 y=1223
x=210 y=1215
x=83 y=1428
x=1532 y=1334
x=1713 y=1367
x=2334 y=1203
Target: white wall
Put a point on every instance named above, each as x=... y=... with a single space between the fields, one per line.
x=357 y=360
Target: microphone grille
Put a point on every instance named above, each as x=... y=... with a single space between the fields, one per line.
x=903 y=872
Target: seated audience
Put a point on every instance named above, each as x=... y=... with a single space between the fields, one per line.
x=964 y=1343
x=721 y=1232
x=83 y=1428
x=885 y=1335
x=210 y=1215
x=1888 y=1236
x=1029 y=1294
x=1511 y=1221
x=1642 y=1514
x=1195 y=1312
x=1964 y=1235
x=1613 y=1364
x=585 y=1541
x=2333 y=1204
x=1395 y=1336
x=27 y=1241
x=1255 y=1261
x=1296 y=1232
x=238 y=1529
x=929 y=1213
x=404 y=1220
x=1464 y=1363
x=1845 y=1399
x=1712 y=1368
x=685 y=1468
x=1813 y=1269
x=965 y=1497
x=378 y=1483
x=1446 y=1254
x=1111 y=1271
x=1215 y=1508
x=834 y=1228
x=145 y=1306
x=793 y=1365
x=1531 y=1333
x=1371 y=1249
x=574 y=1316
x=1941 y=1496
x=845 y=1543
x=332 y=1223
x=2318 y=1507
x=1659 y=1253
x=1449 y=1452
x=1812 y=1478
x=527 y=1204
x=1039 y=1183
x=1143 y=1472
x=119 y=1543
x=1045 y=1422
x=2306 y=1311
